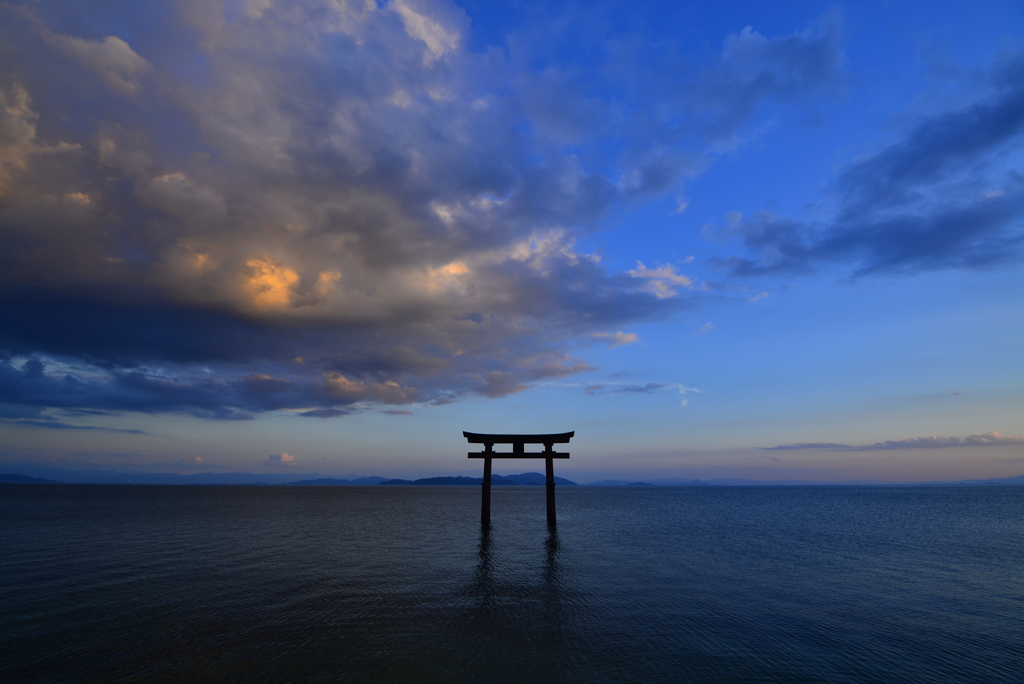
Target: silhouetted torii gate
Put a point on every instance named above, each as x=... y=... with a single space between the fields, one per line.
x=518 y=443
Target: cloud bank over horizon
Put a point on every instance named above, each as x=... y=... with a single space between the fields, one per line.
x=320 y=207
x=931 y=442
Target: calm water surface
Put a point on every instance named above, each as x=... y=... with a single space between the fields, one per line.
x=398 y=584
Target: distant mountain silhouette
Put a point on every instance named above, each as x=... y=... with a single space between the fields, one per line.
x=436 y=481
x=678 y=482
x=332 y=481
x=25 y=479
x=522 y=479
x=28 y=473
x=138 y=477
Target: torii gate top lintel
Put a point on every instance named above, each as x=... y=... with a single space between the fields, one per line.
x=518 y=442
x=555 y=438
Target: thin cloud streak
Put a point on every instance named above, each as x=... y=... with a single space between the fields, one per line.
x=980 y=440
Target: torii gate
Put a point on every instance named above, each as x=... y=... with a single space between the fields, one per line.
x=518 y=443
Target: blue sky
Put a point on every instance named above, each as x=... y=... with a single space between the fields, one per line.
x=716 y=240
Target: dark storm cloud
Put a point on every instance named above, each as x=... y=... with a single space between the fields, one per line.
x=223 y=210
x=129 y=333
x=950 y=194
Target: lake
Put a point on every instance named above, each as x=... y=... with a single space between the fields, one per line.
x=134 y=583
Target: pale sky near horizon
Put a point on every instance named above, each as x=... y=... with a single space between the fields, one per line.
x=716 y=239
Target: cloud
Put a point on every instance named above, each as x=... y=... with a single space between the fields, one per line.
x=647 y=388
x=617 y=339
x=17 y=133
x=436 y=24
x=282 y=460
x=389 y=392
x=979 y=440
x=344 y=184
x=714 y=105
x=179 y=197
x=112 y=59
x=397 y=412
x=946 y=195
x=663 y=282
x=187 y=462
x=36 y=417
x=51 y=424
x=753 y=69
x=19 y=146
x=811 y=445
x=327 y=412
x=499 y=384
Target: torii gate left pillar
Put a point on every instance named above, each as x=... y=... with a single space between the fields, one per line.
x=518 y=443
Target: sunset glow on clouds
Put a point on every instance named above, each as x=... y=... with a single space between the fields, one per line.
x=428 y=205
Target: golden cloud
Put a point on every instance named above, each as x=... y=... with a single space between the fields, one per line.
x=269 y=284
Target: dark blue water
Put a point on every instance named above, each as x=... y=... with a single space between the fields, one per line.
x=398 y=584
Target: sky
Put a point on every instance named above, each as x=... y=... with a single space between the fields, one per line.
x=732 y=239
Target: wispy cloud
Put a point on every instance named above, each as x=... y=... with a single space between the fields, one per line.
x=57 y=425
x=910 y=207
x=619 y=389
x=36 y=417
x=663 y=282
x=617 y=339
x=987 y=439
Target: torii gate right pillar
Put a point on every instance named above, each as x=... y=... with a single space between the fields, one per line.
x=485 y=500
x=549 y=472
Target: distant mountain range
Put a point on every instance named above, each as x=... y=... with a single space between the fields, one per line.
x=523 y=479
x=25 y=479
x=27 y=473
x=137 y=477
x=58 y=476
x=335 y=482
x=678 y=482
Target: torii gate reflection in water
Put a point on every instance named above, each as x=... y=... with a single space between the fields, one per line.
x=518 y=443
